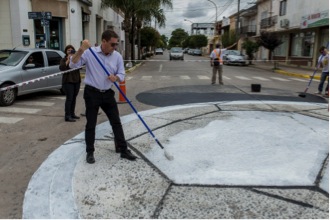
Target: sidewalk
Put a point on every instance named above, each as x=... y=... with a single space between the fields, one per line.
x=289 y=70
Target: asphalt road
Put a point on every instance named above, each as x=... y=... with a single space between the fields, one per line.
x=36 y=125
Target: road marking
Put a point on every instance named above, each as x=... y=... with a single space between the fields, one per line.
x=242 y=77
x=185 y=77
x=165 y=77
x=47 y=104
x=203 y=77
x=160 y=67
x=8 y=120
x=227 y=78
x=19 y=110
x=301 y=80
x=128 y=78
x=280 y=79
x=261 y=78
x=146 y=77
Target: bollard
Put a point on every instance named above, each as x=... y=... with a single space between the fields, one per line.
x=122 y=86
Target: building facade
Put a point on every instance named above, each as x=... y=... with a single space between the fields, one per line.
x=56 y=23
x=302 y=25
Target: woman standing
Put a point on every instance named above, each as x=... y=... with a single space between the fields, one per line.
x=71 y=85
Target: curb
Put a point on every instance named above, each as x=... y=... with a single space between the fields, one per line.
x=283 y=72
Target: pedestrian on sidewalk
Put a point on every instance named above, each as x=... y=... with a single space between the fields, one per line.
x=71 y=85
x=216 y=62
x=98 y=92
x=324 y=64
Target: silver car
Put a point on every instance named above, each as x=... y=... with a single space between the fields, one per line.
x=233 y=57
x=21 y=65
x=176 y=53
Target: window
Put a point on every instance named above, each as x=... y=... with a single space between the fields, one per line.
x=38 y=59
x=303 y=44
x=281 y=50
x=53 y=58
x=283 y=8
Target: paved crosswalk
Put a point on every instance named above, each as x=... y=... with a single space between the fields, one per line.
x=21 y=108
x=203 y=77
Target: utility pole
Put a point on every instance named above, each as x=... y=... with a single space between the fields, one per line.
x=237 y=22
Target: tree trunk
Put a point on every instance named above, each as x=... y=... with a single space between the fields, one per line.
x=133 y=39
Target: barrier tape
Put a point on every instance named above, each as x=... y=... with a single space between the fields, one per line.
x=208 y=60
x=36 y=79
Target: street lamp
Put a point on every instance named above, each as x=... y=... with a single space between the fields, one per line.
x=188 y=20
x=191 y=31
x=216 y=16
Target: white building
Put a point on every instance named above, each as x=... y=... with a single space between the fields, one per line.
x=71 y=21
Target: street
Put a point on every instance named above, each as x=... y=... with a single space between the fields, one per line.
x=35 y=124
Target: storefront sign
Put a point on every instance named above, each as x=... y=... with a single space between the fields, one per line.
x=315 y=20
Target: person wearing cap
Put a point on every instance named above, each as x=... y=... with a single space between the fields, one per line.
x=216 y=62
x=98 y=91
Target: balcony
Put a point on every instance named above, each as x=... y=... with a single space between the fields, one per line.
x=249 y=30
x=87 y=2
x=268 y=22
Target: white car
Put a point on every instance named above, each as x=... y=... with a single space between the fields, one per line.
x=16 y=67
x=176 y=53
x=159 y=51
x=233 y=57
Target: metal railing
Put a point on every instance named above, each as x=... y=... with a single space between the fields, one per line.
x=268 y=22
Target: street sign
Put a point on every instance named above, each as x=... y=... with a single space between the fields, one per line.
x=44 y=22
x=40 y=15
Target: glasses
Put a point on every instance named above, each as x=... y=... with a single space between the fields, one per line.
x=114 y=44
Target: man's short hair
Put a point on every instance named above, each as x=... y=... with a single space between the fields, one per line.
x=217 y=46
x=108 y=34
x=322 y=48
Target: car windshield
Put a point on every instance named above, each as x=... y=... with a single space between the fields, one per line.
x=176 y=50
x=234 y=52
x=159 y=49
x=11 y=57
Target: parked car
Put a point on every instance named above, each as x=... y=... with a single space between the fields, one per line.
x=20 y=65
x=233 y=57
x=197 y=52
x=159 y=51
x=190 y=51
x=176 y=53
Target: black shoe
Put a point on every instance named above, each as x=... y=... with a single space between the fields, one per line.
x=69 y=119
x=75 y=117
x=90 y=157
x=128 y=155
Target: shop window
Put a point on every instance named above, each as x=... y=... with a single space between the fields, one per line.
x=303 y=44
x=281 y=50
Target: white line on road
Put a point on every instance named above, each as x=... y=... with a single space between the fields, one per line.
x=160 y=68
x=185 y=77
x=203 y=77
x=227 y=78
x=280 y=79
x=242 y=77
x=128 y=78
x=8 y=120
x=146 y=77
x=19 y=110
x=165 y=77
x=297 y=79
x=261 y=78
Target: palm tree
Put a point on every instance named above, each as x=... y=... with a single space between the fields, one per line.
x=137 y=11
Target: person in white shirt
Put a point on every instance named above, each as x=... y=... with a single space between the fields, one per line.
x=216 y=62
x=324 y=64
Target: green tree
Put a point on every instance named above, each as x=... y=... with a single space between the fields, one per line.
x=177 y=38
x=250 y=48
x=135 y=13
x=198 y=41
x=228 y=38
x=270 y=41
x=149 y=37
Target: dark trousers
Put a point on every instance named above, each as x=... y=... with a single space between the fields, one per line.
x=324 y=76
x=71 y=91
x=106 y=100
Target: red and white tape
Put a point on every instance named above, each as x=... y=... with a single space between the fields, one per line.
x=36 y=80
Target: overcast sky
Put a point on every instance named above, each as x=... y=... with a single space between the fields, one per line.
x=198 y=11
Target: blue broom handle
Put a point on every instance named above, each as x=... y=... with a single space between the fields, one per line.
x=123 y=94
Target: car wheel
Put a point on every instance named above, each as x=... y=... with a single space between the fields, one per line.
x=7 y=97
